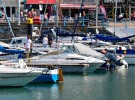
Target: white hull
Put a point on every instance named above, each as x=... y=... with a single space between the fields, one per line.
x=17 y=76
x=94 y=67
x=69 y=62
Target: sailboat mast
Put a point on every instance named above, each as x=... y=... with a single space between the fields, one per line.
x=97 y=14
x=57 y=14
x=7 y=18
x=115 y=16
x=77 y=19
x=18 y=12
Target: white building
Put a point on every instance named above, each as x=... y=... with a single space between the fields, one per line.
x=11 y=6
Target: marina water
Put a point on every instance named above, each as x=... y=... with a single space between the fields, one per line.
x=102 y=85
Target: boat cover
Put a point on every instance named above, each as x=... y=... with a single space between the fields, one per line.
x=60 y=32
x=83 y=49
x=111 y=38
x=11 y=51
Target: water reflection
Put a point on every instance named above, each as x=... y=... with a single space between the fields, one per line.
x=14 y=93
x=48 y=91
x=13 y=90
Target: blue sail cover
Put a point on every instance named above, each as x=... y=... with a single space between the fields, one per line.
x=111 y=38
x=60 y=32
x=11 y=51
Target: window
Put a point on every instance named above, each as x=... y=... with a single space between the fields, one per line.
x=17 y=42
x=111 y=1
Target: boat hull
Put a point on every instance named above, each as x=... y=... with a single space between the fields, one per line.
x=16 y=79
x=51 y=76
x=74 y=68
x=10 y=76
x=93 y=66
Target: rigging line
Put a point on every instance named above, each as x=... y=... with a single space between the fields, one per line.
x=7 y=18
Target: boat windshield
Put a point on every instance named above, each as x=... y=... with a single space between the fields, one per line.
x=68 y=49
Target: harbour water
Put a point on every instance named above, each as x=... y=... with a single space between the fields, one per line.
x=113 y=85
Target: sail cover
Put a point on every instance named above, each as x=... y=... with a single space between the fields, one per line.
x=111 y=38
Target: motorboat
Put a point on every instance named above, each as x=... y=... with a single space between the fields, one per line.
x=68 y=62
x=86 y=50
x=12 y=75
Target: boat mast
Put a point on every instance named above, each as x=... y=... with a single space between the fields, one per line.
x=97 y=14
x=7 y=18
x=115 y=16
x=18 y=12
x=77 y=19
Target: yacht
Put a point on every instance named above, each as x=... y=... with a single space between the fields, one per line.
x=68 y=62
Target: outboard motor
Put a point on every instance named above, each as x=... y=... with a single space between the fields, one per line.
x=122 y=63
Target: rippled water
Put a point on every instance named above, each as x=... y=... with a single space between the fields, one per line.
x=114 y=85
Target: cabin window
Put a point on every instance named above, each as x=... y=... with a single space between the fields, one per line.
x=17 y=42
x=74 y=59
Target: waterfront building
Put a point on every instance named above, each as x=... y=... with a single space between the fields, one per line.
x=123 y=6
x=11 y=6
x=71 y=7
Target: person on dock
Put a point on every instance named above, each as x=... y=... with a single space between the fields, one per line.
x=28 y=46
x=45 y=41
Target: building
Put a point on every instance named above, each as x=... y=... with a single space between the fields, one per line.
x=11 y=7
x=123 y=6
x=71 y=7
